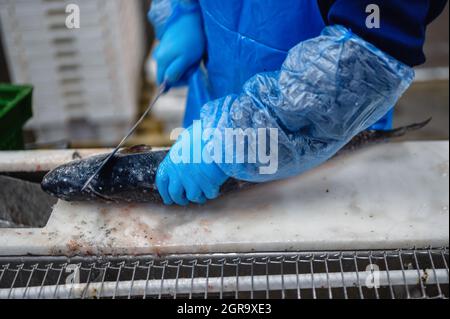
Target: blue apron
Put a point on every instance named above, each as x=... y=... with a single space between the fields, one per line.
x=249 y=37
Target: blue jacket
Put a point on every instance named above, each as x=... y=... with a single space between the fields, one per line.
x=403 y=24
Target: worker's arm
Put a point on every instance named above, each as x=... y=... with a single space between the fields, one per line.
x=402 y=28
x=178 y=25
x=329 y=89
x=165 y=12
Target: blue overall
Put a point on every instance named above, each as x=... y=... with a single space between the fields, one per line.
x=248 y=37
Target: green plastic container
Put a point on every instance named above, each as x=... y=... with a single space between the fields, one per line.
x=15 y=111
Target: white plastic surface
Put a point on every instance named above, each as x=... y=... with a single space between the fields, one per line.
x=381 y=197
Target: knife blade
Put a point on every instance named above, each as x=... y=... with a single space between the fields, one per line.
x=163 y=88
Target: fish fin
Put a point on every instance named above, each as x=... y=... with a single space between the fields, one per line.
x=136 y=149
x=91 y=189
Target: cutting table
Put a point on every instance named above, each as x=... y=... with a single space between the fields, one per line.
x=385 y=196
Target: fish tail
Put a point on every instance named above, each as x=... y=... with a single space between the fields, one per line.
x=401 y=131
x=373 y=137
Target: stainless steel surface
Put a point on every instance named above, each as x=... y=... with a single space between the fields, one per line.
x=393 y=274
x=23 y=204
x=161 y=90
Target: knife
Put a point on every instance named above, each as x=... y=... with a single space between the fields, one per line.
x=163 y=88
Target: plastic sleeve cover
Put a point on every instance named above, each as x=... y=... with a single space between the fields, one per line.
x=163 y=12
x=329 y=89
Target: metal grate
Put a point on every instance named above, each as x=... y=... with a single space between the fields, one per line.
x=412 y=273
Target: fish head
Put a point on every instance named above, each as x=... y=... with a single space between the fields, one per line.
x=66 y=181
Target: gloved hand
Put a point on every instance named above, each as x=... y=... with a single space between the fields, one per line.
x=195 y=178
x=182 y=47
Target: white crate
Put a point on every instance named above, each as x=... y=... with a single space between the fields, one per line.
x=92 y=73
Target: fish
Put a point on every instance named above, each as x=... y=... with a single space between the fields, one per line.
x=129 y=177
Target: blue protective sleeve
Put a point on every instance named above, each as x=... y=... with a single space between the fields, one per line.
x=329 y=89
x=163 y=12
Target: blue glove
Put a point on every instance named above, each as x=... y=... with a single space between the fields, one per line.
x=182 y=180
x=182 y=45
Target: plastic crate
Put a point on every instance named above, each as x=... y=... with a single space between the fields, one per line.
x=15 y=110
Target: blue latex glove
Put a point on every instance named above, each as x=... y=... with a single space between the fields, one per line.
x=192 y=180
x=181 y=47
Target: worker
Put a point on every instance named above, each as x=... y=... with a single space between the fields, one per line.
x=319 y=72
